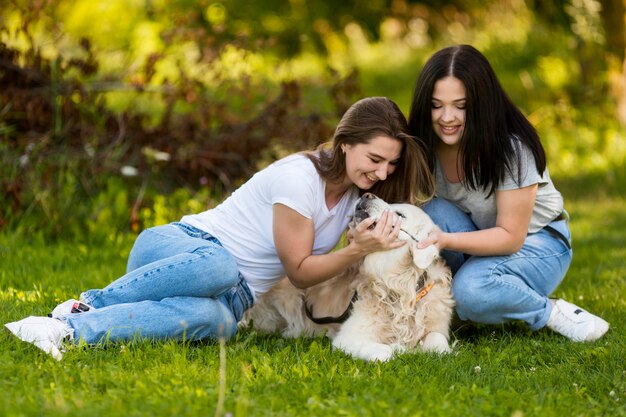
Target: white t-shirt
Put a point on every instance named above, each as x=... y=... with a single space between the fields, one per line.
x=482 y=210
x=243 y=222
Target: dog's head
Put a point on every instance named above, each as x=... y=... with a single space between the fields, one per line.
x=415 y=226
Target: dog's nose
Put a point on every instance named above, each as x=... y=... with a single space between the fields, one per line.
x=360 y=215
x=369 y=196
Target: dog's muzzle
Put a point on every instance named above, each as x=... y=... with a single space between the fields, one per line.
x=362 y=205
x=360 y=215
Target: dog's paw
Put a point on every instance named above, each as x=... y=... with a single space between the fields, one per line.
x=436 y=343
x=398 y=348
x=368 y=351
x=376 y=352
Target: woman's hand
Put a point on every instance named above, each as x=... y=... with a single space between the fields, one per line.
x=383 y=236
x=435 y=237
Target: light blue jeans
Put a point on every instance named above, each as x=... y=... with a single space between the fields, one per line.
x=497 y=289
x=180 y=284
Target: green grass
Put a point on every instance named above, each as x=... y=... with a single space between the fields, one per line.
x=495 y=370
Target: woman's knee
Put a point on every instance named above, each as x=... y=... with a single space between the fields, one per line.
x=437 y=207
x=136 y=256
x=143 y=251
x=448 y=217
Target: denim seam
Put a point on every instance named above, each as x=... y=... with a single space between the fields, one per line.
x=553 y=255
x=146 y=274
x=245 y=293
x=516 y=257
x=194 y=232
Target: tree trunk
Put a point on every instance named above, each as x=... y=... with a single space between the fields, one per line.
x=614 y=22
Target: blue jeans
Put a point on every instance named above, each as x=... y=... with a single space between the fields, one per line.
x=497 y=289
x=180 y=284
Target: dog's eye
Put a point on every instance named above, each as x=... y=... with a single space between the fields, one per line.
x=401 y=215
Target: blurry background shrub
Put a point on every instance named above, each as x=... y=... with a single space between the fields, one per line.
x=119 y=114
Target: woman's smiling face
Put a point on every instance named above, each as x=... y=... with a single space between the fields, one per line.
x=368 y=163
x=448 y=110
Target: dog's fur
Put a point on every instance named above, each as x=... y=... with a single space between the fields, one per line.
x=387 y=315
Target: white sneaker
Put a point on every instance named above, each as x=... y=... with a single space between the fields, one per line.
x=44 y=332
x=575 y=323
x=69 y=307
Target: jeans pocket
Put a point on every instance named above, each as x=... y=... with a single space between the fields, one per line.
x=190 y=230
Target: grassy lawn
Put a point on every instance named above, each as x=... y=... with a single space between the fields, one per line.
x=494 y=371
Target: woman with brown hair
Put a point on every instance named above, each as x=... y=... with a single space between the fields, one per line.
x=194 y=279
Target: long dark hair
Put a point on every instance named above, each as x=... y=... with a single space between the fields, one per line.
x=411 y=181
x=492 y=122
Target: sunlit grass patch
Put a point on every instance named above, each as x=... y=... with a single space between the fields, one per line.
x=504 y=370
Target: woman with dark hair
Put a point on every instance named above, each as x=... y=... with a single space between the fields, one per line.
x=504 y=231
x=194 y=279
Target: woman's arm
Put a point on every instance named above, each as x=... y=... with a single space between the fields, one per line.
x=294 y=235
x=514 y=208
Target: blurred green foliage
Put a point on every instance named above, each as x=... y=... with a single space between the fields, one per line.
x=118 y=114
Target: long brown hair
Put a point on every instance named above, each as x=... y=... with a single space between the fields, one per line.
x=411 y=182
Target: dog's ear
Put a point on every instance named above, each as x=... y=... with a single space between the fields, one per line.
x=422 y=258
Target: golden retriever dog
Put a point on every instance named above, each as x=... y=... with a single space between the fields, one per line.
x=392 y=301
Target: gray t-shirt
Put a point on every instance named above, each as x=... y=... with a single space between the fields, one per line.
x=482 y=210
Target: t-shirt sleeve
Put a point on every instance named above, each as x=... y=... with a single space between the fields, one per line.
x=296 y=191
x=524 y=170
